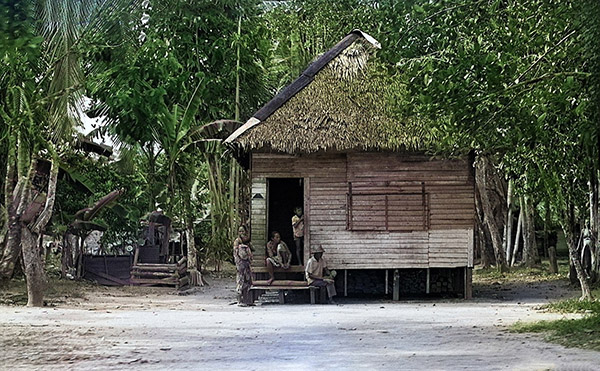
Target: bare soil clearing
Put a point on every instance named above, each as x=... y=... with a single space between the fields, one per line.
x=155 y=329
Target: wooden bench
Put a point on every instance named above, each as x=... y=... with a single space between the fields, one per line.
x=282 y=286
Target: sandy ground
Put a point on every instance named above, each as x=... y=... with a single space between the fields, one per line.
x=155 y=329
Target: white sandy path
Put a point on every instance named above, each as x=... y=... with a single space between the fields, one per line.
x=199 y=334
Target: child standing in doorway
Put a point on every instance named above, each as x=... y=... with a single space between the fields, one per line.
x=298 y=228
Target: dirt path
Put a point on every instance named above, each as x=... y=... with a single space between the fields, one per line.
x=152 y=329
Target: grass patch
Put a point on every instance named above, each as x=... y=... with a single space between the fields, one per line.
x=575 y=333
x=575 y=306
x=523 y=274
x=14 y=292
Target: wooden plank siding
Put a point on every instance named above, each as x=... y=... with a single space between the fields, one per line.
x=258 y=218
x=439 y=192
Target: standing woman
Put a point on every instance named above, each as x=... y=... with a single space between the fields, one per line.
x=242 y=255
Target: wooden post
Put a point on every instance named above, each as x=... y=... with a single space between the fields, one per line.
x=345 y=282
x=396 y=294
x=386 y=282
x=468 y=283
x=428 y=281
x=281 y=296
x=312 y=294
x=306 y=248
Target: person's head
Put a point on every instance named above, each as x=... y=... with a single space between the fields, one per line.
x=275 y=237
x=242 y=231
x=298 y=210
x=318 y=252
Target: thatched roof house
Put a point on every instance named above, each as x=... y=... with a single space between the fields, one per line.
x=334 y=141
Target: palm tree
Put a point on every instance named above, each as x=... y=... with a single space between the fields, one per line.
x=41 y=113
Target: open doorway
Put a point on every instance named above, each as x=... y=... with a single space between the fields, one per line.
x=284 y=195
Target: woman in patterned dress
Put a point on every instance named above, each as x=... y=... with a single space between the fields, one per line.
x=242 y=255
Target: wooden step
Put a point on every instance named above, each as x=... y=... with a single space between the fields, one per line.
x=152 y=274
x=155 y=267
x=284 y=283
x=291 y=269
x=280 y=288
x=155 y=281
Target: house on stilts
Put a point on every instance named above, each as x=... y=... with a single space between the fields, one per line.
x=391 y=218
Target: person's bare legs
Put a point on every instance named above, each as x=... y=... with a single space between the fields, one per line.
x=285 y=257
x=299 y=242
x=270 y=271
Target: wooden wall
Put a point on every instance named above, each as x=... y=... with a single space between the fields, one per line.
x=445 y=240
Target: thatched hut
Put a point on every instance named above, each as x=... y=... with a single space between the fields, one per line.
x=333 y=142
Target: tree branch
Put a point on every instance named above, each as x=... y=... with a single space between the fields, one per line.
x=44 y=217
x=543 y=56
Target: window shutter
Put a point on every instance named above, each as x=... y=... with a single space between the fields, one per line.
x=387 y=211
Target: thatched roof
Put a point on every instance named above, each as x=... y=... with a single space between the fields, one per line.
x=342 y=102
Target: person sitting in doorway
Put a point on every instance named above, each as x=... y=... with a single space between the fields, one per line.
x=316 y=270
x=298 y=229
x=278 y=255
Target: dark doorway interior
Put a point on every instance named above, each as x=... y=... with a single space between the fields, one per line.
x=284 y=195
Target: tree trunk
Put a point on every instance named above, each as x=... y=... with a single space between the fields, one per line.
x=66 y=258
x=530 y=253
x=492 y=194
x=12 y=249
x=547 y=229
x=595 y=225
x=30 y=235
x=508 y=226
x=192 y=253
x=517 y=238
x=552 y=259
x=486 y=251
x=192 y=258
x=34 y=268
x=151 y=157
x=568 y=224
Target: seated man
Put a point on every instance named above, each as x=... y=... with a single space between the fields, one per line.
x=278 y=255
x=315 y=268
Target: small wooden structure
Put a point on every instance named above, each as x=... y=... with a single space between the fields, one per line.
x=153 y=262
x=108 y=270
x=332 y=143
